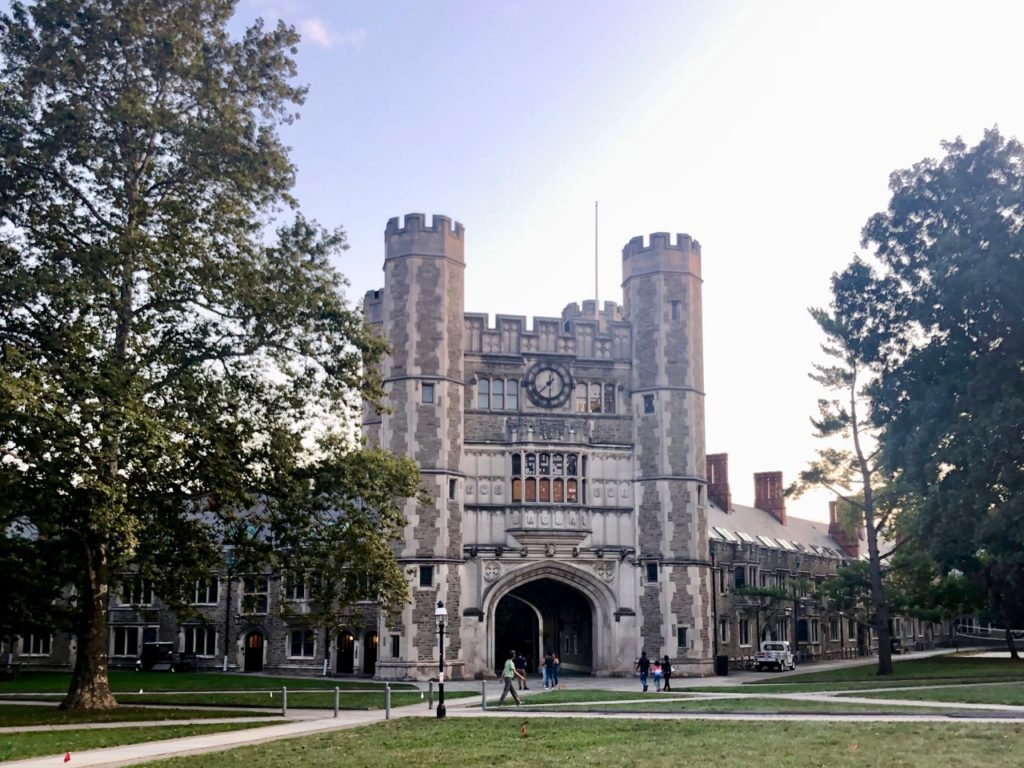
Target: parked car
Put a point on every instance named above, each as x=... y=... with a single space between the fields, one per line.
x=774 y=654
x=161 y=657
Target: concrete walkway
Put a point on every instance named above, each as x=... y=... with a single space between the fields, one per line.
x=307 y=722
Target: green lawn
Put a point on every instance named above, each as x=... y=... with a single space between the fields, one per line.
x=15 y=715
x=951 y=667
x=1011 y=694
x=15 y=746
x=128 y=680
x=557 y=742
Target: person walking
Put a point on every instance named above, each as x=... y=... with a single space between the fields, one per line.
x=656 y=674
x=521 y=672
x=508 y=674
x=643 y=665
x=666 y=673
x=554 y=668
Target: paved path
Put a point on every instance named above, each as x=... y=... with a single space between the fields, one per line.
x=306 y=722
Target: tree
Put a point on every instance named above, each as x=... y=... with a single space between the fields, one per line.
x=869 y=496
x=170 y=373
x=949 y=337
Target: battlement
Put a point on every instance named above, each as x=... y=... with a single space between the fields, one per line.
x=660 y=241
x=373 y=306
x=609 y=313
x=580 y=337
x=413 y=237
x=661 y=253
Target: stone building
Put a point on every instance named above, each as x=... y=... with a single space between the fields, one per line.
x=573 y=506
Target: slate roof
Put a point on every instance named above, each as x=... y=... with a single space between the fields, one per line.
x=757 y=522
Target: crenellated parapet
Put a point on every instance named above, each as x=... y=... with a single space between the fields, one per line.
x=443 y=238
x=659 y=255
x=581 y=337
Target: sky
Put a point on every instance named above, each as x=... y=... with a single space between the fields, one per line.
x=765 y=130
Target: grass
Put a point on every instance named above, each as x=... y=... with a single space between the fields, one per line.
x=122 y=681
x=15 y=746
x=604 y=743
x=951 y=668
x=608 y=701
x=967 y=694
x=16 y=715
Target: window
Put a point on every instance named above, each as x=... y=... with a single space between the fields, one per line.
x=532 y=482
x=427 y=394
x=295 y=587
x=497 y=394
x=783 y=629
x=396 y=646
x=740 y=576
x=206 y=591
x=648 y=403
x=426 y=575
x=833 y=629
x=752 y=575
x=126 y=641
x=677 y=309
x=723 y=630
x=36 y=644
x=681 y=638
x=303 y=643
x=202 y=641
x=652 y=573
x=136 y=591
x=255 y=595
x=851 y=629
x=451 y=488
x=745 y=632
x=721 y=581
x=595 y=397
x=815 y=631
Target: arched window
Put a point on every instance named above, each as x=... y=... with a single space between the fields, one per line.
x=557 y=464
x=558 y=491
x=498 y=395
x=609 y=398
x=581 y=398
x=531 y=463
x=595 y=398
x=517 y=464
x=545 y=489
x=545 y=463
x=531 y=489
x=517 y=489
x=570 y=492
x=512 y=396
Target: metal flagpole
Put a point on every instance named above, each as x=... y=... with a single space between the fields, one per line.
x=596 y=310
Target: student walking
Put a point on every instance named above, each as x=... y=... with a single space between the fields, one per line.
x=666 y=673
x=521 y=672
x=643 y=665
x=508 y=674
x=656 y=674
x=554 y=669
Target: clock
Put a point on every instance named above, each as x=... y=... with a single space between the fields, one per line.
x=548 y=384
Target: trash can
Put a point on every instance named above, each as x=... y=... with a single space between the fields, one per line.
x=722 y=665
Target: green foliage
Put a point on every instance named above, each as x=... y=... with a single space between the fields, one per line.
x=950 y=340
x=171 y=374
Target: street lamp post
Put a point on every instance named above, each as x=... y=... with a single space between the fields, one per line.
x=440 y=613
x=229 y=563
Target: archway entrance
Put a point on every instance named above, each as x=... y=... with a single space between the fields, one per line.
x=346 y=653
x=370 y=641
x=545 y=615
x=254 y=652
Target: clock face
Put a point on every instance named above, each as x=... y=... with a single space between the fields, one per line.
x=548 y=385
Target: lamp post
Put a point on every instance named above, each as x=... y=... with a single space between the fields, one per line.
x=440 y=613
x=229 y=563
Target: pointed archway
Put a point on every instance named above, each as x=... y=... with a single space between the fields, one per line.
x=572 y=611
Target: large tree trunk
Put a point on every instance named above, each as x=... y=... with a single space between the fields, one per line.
x=1010 y=644
x=90 y=684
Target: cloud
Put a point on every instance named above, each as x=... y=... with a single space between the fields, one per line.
x=316 y=31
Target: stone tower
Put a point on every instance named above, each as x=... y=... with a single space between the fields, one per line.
x=420 y=312
x=662 y=302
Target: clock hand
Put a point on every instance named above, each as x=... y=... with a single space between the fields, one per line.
x=551 y=381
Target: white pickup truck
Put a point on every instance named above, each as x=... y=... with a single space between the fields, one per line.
x=774 y=654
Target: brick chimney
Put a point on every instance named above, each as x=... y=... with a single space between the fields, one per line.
x=718 y=480
x=768 y=494
x=848 y=540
